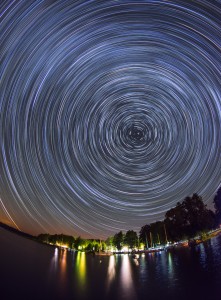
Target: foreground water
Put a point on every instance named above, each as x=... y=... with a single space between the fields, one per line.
x=29 y=270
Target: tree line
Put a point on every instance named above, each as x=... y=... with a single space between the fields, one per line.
x=62 y=240
x=188 y=219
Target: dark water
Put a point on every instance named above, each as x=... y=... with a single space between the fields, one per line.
x=29 y=270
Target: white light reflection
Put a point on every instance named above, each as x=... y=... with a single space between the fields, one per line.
x=127 y=284
x=54 y=261
x=170 y=265
x=111 y=271
x=136 y=260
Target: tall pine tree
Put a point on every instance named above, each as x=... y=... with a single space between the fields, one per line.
x=217 y=205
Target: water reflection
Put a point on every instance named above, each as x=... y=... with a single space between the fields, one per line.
x=170 y=264
x=127 y=284
x=111 y=271
x=202 y=254
x=178 y=274
x=206 y=254
x=136 y=260
x=54 y=261
x=81 y=269
x=148 y=276
x=58 y=270
x=63 y=263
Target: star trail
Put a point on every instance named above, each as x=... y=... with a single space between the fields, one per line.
x=110 y=112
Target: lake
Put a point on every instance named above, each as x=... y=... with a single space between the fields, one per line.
x=29 y=270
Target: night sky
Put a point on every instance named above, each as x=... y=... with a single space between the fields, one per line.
x=110 y=112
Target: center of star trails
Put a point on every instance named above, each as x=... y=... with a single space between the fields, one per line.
x=136 y=134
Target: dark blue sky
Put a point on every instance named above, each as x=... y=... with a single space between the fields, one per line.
x=110 y=112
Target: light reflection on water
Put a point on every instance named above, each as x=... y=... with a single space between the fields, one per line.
x=80 y=269
x=63 y=263
x=54 y=261
x=111 y=271
x=155 y=273
x=127 y=283
x=58 y=266
x=170 y=264
x=35 y=269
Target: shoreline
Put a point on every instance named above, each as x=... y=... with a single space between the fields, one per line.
x=192 y=242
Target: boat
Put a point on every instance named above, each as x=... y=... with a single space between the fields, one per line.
x=102 y=253
x=156 y=249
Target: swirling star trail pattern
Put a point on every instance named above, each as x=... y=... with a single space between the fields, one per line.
x=110 y=112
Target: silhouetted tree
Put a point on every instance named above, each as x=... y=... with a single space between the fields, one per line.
x=175 y=222
x=69 y=241
x=217 y=205
x=131 y=239
x=157 y=233
x=199 y=217
x=118 y=240
x=53 y=239
x=109 y=242
x=43 y=237
x=93 y=245
x=189 y=218
x=78 y=242
x=144 y=235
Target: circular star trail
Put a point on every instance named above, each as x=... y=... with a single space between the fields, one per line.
x=110 y=111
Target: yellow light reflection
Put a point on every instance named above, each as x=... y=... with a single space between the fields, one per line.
x=81 y=269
